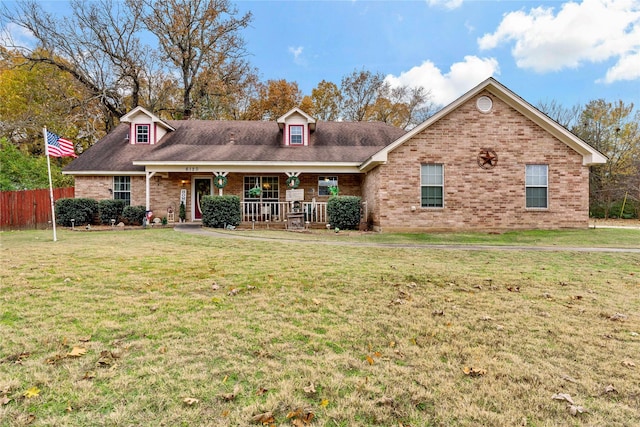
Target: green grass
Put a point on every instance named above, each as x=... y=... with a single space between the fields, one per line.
x=383 y=334
x=598 y=237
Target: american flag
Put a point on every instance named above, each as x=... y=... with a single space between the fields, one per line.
x=59 y=147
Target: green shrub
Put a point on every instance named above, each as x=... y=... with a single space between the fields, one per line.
x=110 y=209
x=220 y=211
x=134 y=215
x=344 y=212
x=83 y=211
x=630 y=209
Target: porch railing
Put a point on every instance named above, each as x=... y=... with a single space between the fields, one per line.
x=278 y=211
x=314 y=212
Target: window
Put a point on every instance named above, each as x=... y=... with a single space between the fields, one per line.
x=324 y=182
x=432 y=186
x=122 y=189
x=268 y=186
x=142 y=134
x=295 y=135
x=536 y=184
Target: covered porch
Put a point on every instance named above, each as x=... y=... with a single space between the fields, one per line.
x=281 y=199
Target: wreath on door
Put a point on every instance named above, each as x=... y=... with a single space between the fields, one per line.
x=293 y=182
x=220 y=181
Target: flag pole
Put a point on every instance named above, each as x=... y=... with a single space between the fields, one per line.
x=53 y=209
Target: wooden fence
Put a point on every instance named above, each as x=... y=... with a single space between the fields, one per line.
x=29 y=208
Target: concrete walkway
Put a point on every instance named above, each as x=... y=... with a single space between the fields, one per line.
x=197 y=229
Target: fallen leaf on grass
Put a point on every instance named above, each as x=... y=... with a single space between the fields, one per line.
x=370 y=360
x=628 y=364
x=77 y=352
x=617 y=317
x=233 y=292
x=474 y=372
x=563 y=396
x=4 y=400
x=303 y=420
x=310 y=389
x=190 y=401
x=54 y=360
x=300 y=418
x=575 y=410
x=570 y=379
x=385 y=401
x=228 y=397
x=513 y=288
x=261 y=391
x=610 y=389
x=16 y=358
x=32 y=392
x=264 y=418
x=89 y=375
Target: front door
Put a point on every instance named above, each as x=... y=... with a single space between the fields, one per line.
x=202 y=187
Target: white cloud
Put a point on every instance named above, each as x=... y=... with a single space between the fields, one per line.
x=297 y=54
x=592 y=31
x=628 y=68
x=13 y=35
x=445 y=88
x=448 y=4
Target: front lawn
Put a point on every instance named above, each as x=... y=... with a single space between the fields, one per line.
x=157 y=327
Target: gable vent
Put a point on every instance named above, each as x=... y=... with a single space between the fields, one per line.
x=484 y=104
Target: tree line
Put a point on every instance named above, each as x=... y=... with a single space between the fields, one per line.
x=187 y=59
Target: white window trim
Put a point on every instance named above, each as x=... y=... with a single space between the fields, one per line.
x=113 y=184
x=441 y=186
x=546 y=187
x=140 y=126
x=301 y=127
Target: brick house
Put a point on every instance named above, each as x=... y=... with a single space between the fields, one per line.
x=487 y=161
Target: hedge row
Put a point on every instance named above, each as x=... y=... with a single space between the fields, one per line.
x=344 y=212
x=90 y=211
x=220 y=211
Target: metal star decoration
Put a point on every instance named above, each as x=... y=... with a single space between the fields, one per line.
x=487 y=159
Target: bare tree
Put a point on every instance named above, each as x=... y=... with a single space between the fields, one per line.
x=98 y=46
x=401 y=106
x=193 y=34
x=614 y=130
x=359 y=93
x=566 y=117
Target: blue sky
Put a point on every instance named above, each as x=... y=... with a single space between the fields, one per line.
x=570 y=52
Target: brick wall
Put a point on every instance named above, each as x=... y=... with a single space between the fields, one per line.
x=98 y=188
x=475 y=198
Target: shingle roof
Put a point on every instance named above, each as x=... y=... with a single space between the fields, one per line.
x=204 y=141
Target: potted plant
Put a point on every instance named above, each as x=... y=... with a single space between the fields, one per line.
x=255 y=192
x=183 y=212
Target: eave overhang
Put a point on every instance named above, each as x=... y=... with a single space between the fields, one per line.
x=250 y=167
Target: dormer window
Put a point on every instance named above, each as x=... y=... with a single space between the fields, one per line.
x=295 y=134
x=142 y=134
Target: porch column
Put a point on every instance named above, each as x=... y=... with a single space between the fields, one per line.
x=148 y=189
x=215 y=174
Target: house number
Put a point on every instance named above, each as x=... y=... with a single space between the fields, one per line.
x=191 y=169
